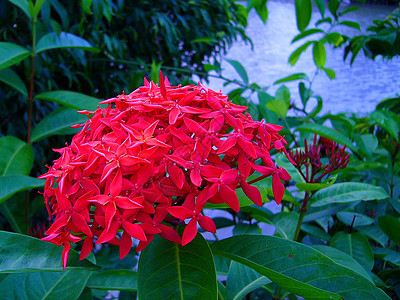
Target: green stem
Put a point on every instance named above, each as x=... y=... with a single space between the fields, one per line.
x=303 y=211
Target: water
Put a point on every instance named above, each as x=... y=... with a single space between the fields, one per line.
x=357 y=88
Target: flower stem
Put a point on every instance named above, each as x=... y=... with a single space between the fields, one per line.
x=303 y=211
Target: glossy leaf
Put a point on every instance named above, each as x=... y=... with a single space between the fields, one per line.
x=351 y=24
x=306 y=33
x=278 y=106
x=58 y=122
x=239 y=69
x=11 y=78
x=285 y=224
x=11 y=54
x=20 y=253
x=297 y=268
x=321 y=7
x=168 y=270
x=352 y=218
x=11 y=184
x=113 y=280
x=294 y=57
x=388 y=121
x=316 y=213
x=44 y=285
x=319 y=54
x=242 y=228
x=356 y=245
x=343 y=259
x=64 y=40
x=23 y=5
x=70 y=99
x=16 y=156
x=375 y=233
x=315 y=231
x=311 y=187
x=328 y=133
x=348 y=192
x=391 y=226
x=303 y=13
x=243 y=280
x=293 y=77
x=333 y=6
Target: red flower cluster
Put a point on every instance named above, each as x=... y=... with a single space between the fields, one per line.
x=152 y=159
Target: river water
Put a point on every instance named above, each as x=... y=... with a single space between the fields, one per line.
x=357 y=88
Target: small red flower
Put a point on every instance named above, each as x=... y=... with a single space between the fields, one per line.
x=151 y=160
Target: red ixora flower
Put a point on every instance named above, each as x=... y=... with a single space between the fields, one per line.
x=153 y=159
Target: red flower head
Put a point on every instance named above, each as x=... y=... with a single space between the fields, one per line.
x=152 y=159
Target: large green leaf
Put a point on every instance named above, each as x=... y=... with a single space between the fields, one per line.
x=10 y=54
x=11 y=78
x=391 y=226
x=62 y=41
x=285 y=224
x=328 y=133
x=44 y=285
x=343 y=259
x=168 y=270
x=348 y=192
x=9 y=185
x=16 y=156
x=22 y=4
x=70 y=99
x=21 y=253
x=312 y=187
x=239 y=69
x=243 y=280
x=303 y=13
x=374 y=233
x=58 y=122
x=356 y=245
x=297 y=268
x=354 y=219
x=115 y=280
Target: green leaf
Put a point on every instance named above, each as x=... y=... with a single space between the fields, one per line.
x=37 y=8
x=44 y=285
x=348 y=192
x=356 y=245
x=16 y=156
x=350 y=9
x=319 y=54
x=283 y=161
x=328 y=133
x=70 y=99
x=315 y=231
x=58 y=122
x=294 y=57
x=333 y=6
x=297 y=268
x=113 y=280
x=374 y=233
x=278 y=106
x=306 y=33
x=11 y=78
x=387 y=255
x=22 y=4
x=243 y=280
x=334 y=38
x=63 y=40
x=293 y=77
x=9 y=185
x=316 y=213
x=11 y=54
x=343 y=259
x=331 y=74
x=285 y=224
x=351 y=24
x=206 y=39
x=242 y=228
x=388 y=121
x=239 y=69
x=391 y=226
x=21 y=253
x=303 y=13
x=311 y=187
x=347 y=217
x=168 y=270
x=321 y=7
